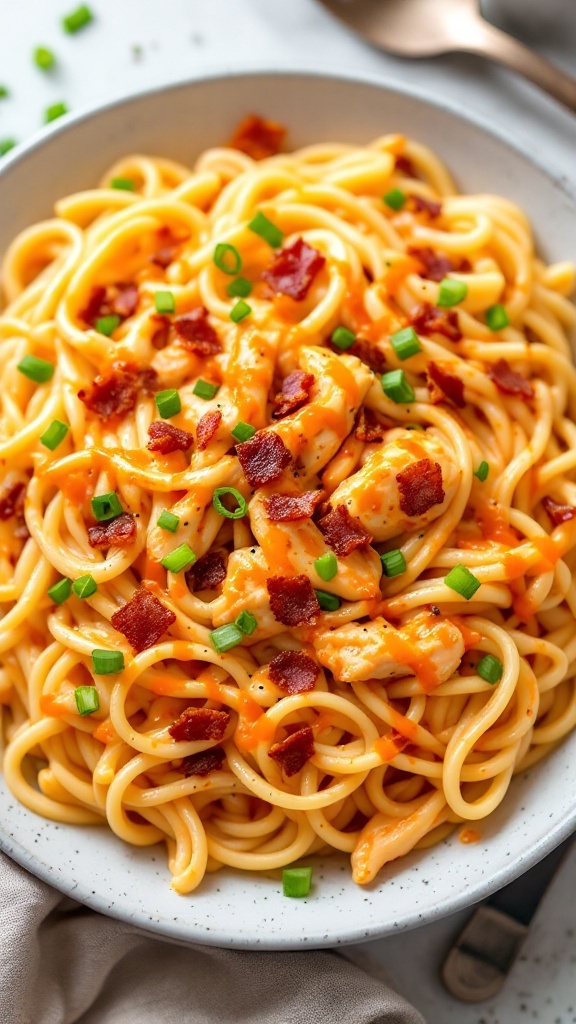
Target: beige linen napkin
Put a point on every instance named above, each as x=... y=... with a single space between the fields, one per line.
x=61 y=963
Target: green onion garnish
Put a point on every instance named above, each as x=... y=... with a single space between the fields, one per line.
x=168 y=521
x=203 y=389
x=243 y=431
x=44 y=58
x=106 y=506
x=395 y=198
x=342 y=338
x=239 y=288
x=227 y=258
x=482 y=471
x=105 y=663
x=451 y=292
x=60 y=591
x=326 y=566
x=87 y=700
x=242 y=504
x=497 y=317
x=124 y=184
x=164 y=302
x=6 y=145
x=462 y=581
x=4 y=92
x=38 y=370
x=328 y=602
x=490 y=669
x=225 y=637
x=54 y=434
x=296 y=881
x=240 y=311
x=260 y=225
x=168 y=403
x=396 y=387
x=179 y=559
x=405 y=343
x=393 y=563
x=246 y=622
x=85 y=586
x=77 y=19
x=107 y=324
x=54 y=111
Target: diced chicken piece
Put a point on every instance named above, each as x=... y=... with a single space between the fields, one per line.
x=245 y=588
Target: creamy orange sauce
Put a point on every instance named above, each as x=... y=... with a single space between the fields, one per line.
x=399 y=271
x=253 y=726
x=470 y=636
x=105 y=732
x=469 y=835
x=52 y=706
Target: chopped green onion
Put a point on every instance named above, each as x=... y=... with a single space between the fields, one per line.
x=395 y=198
x=396 y=387
x=462 y=581
x=246 y=622
x=87 y=700
x=393 y=563
x=54 y=434
x=77 y=19
x=243 y=431
x=328 y=602
x=38 y=370
x=482 y=471
x=105 y=663
x=296 y=881
x=227 y=258
x=85 y=586
x=164 y=302
x=405 y=343
x=326 y=566
x=168 y=521
x=54 y=111
x=342 y=338
x=239 y=288
x=44 y=58
x=497 y=317
x=4 y=92
x=225 y=637
x=179 y=559
x=240 y=311
x=60 y=591
x=238 y=512
x=490 y=669
x=203 y=389
x=106 y=506
x=261 y=225
x=107 y=324
x=451 y=292
x=168 y=403
x=6 y=145
x=124 y=184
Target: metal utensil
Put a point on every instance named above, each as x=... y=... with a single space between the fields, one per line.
x=427 y=28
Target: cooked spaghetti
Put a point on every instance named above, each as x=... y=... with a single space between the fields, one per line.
x=288 y=505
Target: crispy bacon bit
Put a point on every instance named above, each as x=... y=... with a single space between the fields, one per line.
x=369 y=353
x=293 y=752
x=12 y=501
x=161 y=334
x=93 y=309
x=420 y=487
x=558 y=513
x=287 y=508
x=293 y=672
x=166 y=438
x=531 y=337
x=263 y=457
x=207 y=573
x=430 y=320
x=435 y=264
x=196 y=724
x=143 y=620
x=195 y=334
x=293 y=269
x=125 y=301
x=117 y=533
x=295 y=393
x=368 y=427
x=116 y=393
x=207 y=426
x=203 y=763
x=343 y=532
x=509 y=381
x=121 y=299
x=451 y=385
x=405 y=166
x=258 y=137
x=292 y=600
x=429 y=206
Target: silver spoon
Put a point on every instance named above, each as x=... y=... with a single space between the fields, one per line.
x=426 y=28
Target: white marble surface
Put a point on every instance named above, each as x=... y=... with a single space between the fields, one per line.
x=135 y=44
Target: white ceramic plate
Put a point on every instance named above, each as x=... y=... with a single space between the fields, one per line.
x=231 y=908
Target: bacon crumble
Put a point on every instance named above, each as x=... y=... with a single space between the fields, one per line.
x=200 y=724
x=203 y=763
x=435 y=265
x=207 y=573
x=258 y=137
x=143 y=620
x=207 y=426
x=287 y=508
x=343 y=532
x=293 y=672
x=166 y=438
x=263 y=457
x=120 y=299
x=118 y=532
x=369 y=353
x=116 y=393
x=558 y=513
x=293 y=269
x=420 y=487
x=293 y=752
x=422 y=205
x=195 y=334
x=405 y=166
x=429 y=319
x=294 y=394
x=509 y=381
x=12 y=500
x=450 y=385
x=368 y=427
x=292 y=600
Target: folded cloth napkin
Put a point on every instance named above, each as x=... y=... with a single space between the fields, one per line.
x=61 y=963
